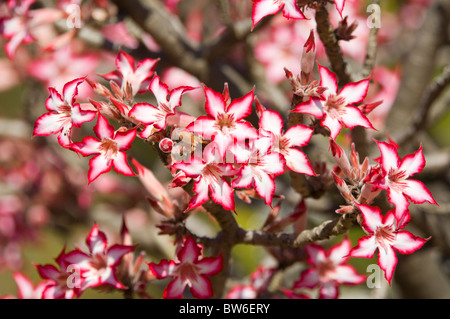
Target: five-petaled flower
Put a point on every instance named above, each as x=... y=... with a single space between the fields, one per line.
x=337 y=109
x=225 y=122
x=155 y=117
x=99 y=265
x=328 y=270
x=394 y=178
x=63 y=283
x=108 y=149
x=130 y=75
x=271 y=124
x=209 y=173
x=64 y=113
x=384 y=234
x=191 y=269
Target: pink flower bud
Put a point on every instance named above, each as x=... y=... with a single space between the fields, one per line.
x=166 y=145
x=308 y=57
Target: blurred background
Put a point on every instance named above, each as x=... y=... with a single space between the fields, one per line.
x=46 y=203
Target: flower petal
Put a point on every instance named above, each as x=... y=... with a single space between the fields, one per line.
x=389 y=156
x=121 y=165
x=313 y=106
x=339 y=253
x=215 y=103
x=201 y=287
x=407 y=243
x=387 y=260
x=418 y=192
x=175 y=289
x=98 y=165
x=413 y=163
x=263 y=8
x=271 y=121
x=308 y=278
x=297 y=161
x=328 y=79
x=366 y=247
x=190 y=251
x=298 y=135
x=210 y=265
x=49 y=123
x=353 y=117
x=372 y=218
x=103 y=129
x=162 y=270
x=355 y=93
x=242 y=107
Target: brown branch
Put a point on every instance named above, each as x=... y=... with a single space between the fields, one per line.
x=431 y=94
x=167 y=31
x=331 y=44
x=338 y=226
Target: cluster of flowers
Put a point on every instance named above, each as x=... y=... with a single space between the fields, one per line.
x=107 y=267
x=221 y=152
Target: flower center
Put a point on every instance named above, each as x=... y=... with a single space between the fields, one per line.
x=187 y=272
x=335 y=102
x=212 y=172
x=224 y=121
x=109 y=148
x=384 y=236
x=396 y=179
x=98 y=262
x=325 y=269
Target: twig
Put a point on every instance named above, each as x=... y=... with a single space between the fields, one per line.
x=332 y=48
x=431 y=94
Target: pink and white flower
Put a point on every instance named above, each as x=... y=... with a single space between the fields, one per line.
x=395 y=178
x=337 y=109
x=128 y=74
x=384 y=234
x=225 y=122
x=190 y=269
x=263 y=8
x=155 y=117
x=62 y=285
x=260 y=166
x=99 y=265
x=271 y=124
x=328 y=270
x=209 y=173
x=109 y=149
x=64 y=113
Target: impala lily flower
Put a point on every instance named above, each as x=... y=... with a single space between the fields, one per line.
x=336 y=109
x=271 y=124
x=224 y=122
x=191 y=269
x=98 y=266
x=62 y=285
x=209 y=173
x=329 y=270
x=64 y=113
x=395 y=178
x=263 y=8
x=167 y=101
x=384 y=234
x=128 y=74
x=108 y=149
x=260 y=167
